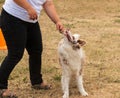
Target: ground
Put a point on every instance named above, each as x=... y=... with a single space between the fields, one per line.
x=98 y=23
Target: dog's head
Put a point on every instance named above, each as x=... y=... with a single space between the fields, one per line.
x=73 y=40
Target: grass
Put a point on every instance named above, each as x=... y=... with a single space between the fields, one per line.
x=96 y=22
x=117 y=20
x=1 y=1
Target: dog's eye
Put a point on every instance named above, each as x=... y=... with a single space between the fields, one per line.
x=78 y=41
x=73 y=37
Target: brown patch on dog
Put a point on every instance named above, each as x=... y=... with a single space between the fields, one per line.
x=80 y=72
x=75 y=47
x=65 y=61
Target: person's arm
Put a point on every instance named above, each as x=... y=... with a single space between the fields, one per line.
x=31 y=11
x=51 y=12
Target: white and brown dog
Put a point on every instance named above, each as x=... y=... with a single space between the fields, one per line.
x=71 y=57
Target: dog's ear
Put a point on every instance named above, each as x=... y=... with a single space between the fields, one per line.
x=81 y=42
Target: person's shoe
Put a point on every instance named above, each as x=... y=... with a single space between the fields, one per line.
x=5 y=93
x=42 y=86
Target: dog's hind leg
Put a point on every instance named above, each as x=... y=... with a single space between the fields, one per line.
x=65 y=84
x=80 y=85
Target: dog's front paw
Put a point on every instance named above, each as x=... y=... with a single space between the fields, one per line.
x=65 y=96
x=84 y=93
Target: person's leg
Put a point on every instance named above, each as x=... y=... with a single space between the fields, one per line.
x=15 y=36
x=34 y=48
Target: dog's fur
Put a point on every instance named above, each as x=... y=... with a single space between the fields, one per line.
x=71 y=58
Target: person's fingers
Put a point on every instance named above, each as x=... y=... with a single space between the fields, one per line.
x=32 y=14
x=33 y=17
x=60 y=27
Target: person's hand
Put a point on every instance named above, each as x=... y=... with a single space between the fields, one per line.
x=32 y=13
x=60 y=27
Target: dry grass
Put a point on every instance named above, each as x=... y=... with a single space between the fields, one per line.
x=98 y=22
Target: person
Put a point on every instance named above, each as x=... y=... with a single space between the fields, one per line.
x=21 y=30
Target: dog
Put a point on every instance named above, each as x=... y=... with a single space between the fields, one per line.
x=71 y=58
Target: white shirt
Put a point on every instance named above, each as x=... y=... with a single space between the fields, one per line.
x=15 y=10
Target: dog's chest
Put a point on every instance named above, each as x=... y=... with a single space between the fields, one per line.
x=73 y=57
